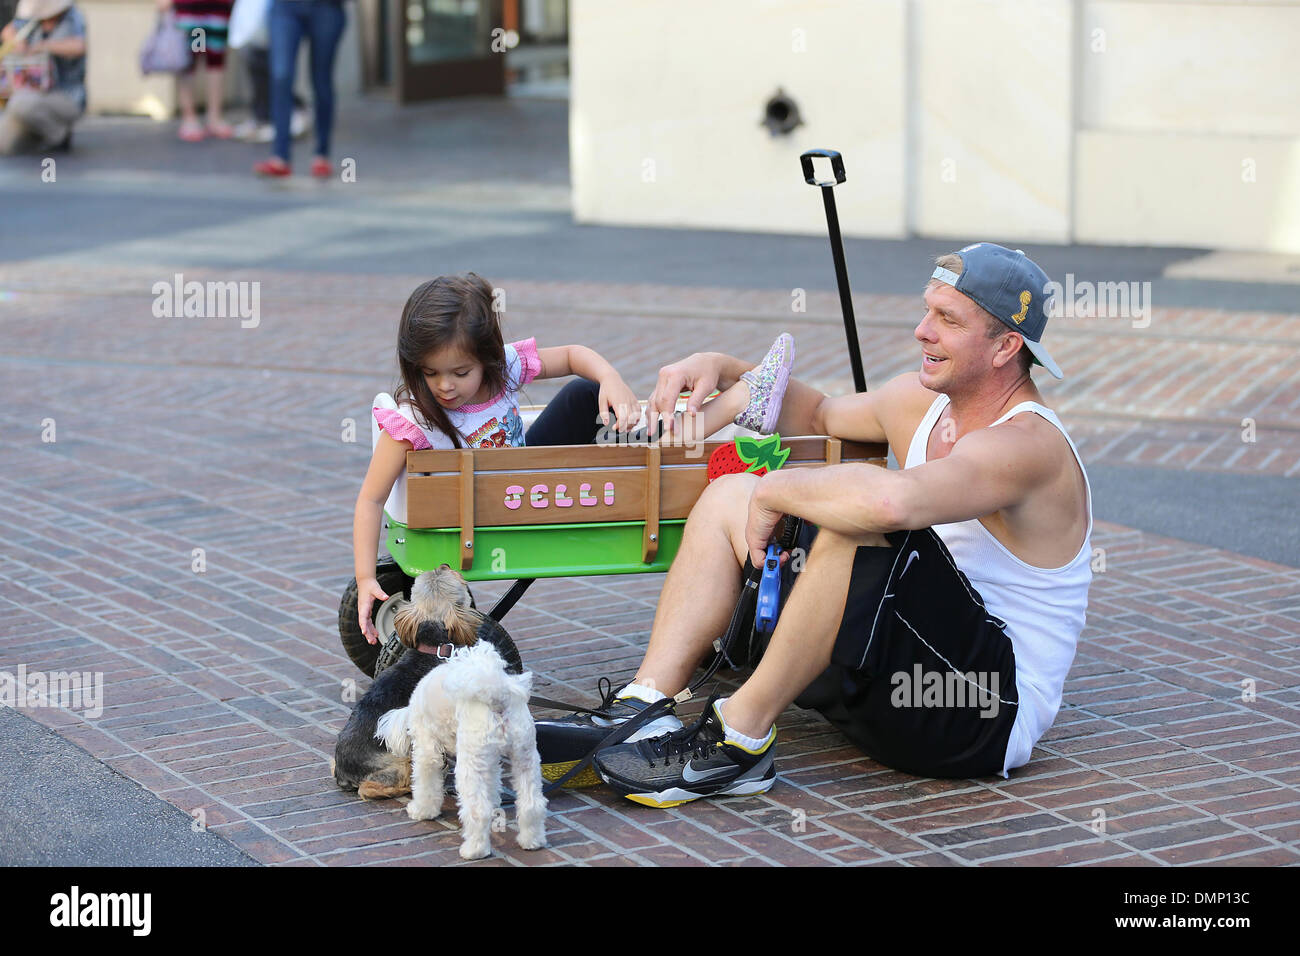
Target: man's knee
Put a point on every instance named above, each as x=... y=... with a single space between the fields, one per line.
x=723 y=506
x=725 y=501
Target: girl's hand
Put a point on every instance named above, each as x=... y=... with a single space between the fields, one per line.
x=615 y=394
x=368 y=591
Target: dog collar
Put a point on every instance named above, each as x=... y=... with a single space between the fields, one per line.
x=441 y=651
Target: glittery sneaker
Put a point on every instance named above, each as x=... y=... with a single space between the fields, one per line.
x=767 y=385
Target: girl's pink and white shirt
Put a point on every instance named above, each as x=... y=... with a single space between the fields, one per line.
x=494 y=423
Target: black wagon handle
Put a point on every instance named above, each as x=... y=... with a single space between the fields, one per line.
x=837 y=167
x=837 y=251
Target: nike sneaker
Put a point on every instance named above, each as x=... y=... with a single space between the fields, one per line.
x=687 y=764
x=564 y=742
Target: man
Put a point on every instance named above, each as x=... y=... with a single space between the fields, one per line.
x=43 y=118
x=938 y=610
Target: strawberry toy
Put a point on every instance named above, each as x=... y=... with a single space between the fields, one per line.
x=746 y=454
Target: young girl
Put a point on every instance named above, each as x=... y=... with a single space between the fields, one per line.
x=459 y=388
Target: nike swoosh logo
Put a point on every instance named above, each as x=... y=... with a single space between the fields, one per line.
x=691 y=775
x=910 y=558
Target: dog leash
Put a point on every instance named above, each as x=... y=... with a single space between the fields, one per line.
x=742 y=612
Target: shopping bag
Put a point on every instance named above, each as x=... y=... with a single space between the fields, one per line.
x=167 y=49
x=248 y=24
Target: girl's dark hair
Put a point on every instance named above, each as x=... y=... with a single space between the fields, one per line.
x=448 y=311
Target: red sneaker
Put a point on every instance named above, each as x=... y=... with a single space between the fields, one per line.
x=272 y=167
x=321 y=168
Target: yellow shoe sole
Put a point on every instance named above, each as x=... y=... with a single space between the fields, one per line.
x=657 y=804
x=588 y=777
x=675 y=797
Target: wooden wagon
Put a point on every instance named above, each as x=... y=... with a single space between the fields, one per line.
x=520 y=514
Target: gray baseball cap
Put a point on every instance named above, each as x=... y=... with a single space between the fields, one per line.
x=1010 y=286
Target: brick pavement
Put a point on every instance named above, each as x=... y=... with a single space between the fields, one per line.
x=223 y=689
x=1230 y=402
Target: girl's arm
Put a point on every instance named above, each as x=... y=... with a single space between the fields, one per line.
x=562 y=360
x=385 y=466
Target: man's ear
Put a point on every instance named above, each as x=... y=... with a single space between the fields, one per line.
x=1009 y=346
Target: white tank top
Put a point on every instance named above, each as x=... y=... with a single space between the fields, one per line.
x=1044 y=608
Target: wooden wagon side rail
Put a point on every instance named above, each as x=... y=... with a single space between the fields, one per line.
x=494 y=487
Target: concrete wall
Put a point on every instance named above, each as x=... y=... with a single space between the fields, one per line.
x=993 y=119
x=1190 y=125
x=667 y=100
x=115 y=31
x=1111 y=121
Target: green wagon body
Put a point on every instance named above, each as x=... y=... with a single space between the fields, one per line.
x=510 y=552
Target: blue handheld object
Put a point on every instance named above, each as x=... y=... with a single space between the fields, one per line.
x=769 y=592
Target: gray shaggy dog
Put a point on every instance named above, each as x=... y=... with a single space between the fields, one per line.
x=441 y=611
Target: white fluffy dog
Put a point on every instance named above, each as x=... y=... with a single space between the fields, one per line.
x=471 y=708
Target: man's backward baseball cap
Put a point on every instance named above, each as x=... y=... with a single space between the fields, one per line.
x=1010 y=286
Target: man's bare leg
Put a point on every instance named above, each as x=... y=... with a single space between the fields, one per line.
x=801 y=646
x=702 y=586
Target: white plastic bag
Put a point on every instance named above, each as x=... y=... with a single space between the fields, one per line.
x=248 y=24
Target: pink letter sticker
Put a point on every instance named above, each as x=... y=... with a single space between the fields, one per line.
x=609 y=492
x=538 y=496
x=561 y=499
x=585 y=497
x=514 y=496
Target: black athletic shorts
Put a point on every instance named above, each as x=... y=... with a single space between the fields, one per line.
x=922 y=677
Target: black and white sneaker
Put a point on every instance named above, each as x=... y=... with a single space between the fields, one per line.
x=694 y=762
x=565 y=742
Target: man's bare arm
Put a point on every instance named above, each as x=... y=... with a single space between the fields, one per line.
x=986 y=471
x=862 y=416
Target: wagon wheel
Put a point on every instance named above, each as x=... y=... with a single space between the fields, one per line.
x=492 y=632
x=396 y=583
